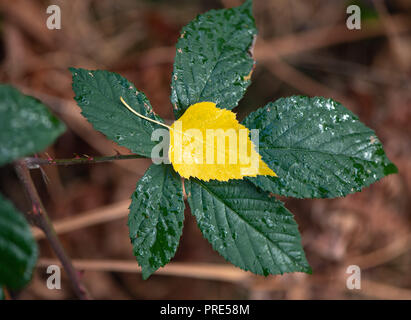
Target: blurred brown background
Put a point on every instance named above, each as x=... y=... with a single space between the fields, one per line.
x=304 y=47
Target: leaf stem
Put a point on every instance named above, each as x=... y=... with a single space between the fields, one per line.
x=39 y=218
x=143 y=117
x=33 y=163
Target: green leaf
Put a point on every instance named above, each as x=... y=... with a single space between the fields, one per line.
x=247 y=227
x=156 y=217
x=26 y=125
x=2 y=297
x=98 y=95
x=18 y=249
x=212 y=60
x=318 y=148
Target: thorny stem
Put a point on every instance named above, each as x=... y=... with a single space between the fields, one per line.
x=33 y=163
x=39 y=218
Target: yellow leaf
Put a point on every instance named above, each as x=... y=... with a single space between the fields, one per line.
x=209 y=143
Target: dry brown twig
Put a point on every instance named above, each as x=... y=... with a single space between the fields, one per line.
x=29 y=16
x=226 y=273
x=39 y=217
x=383 y=255
x=383 y=291
x=303 y=83
x=309 y=40
x=205 y=271
x=295 y=43
x=392 y=31
x=108 y=213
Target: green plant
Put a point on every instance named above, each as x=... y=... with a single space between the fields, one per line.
x=26 y=127
x=317 y=147
x=18 y=250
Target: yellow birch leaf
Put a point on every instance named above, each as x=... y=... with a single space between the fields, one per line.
x=209 y=143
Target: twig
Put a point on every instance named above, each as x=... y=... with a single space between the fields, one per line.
x=33 y=163
x=39 y=217
x=206 y=271
x=349 y=69
x=392 y=31
x=383 y=255
x=383 y=291
x=317 y=38
x=295 y=43
x=303 y=83
x=100 y=215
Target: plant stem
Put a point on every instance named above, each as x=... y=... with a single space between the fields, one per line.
x=33 y=163
x=39 y=218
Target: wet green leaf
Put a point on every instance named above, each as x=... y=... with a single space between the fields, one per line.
x=318 y=148
x=213 y=62
x=98 y=95
x=18 y=249
x=247 y=227
x=156 y=217
x=26 y=125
